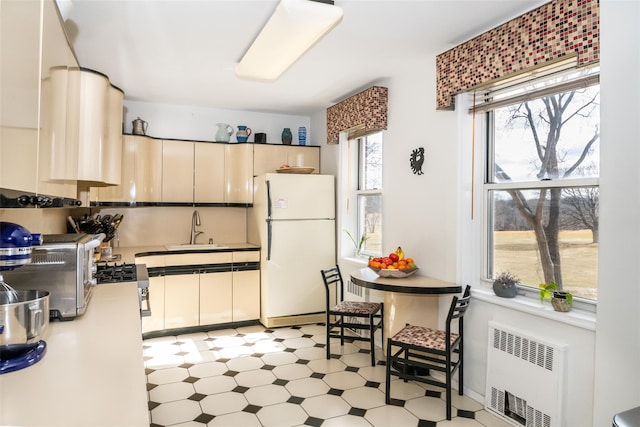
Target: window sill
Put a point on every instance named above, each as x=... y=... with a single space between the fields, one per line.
x=360 y=261
x=576 y=317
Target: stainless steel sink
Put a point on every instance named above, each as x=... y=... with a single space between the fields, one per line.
x=195 y=247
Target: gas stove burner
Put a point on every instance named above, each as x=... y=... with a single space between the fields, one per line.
x=116 y=273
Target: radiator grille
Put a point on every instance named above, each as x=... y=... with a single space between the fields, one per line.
x=525 y=383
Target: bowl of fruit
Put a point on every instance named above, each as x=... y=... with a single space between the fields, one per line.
x=394 y=265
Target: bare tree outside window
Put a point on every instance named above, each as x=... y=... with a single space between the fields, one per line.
x=552 y=140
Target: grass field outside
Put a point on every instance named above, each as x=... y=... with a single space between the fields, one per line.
x=516 y=252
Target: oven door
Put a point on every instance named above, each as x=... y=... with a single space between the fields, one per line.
x=142 y=276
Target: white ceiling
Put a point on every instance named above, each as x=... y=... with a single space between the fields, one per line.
x=184 y=51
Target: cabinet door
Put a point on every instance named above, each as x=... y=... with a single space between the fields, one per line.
x=238 y=173
x=155 y=322
x=126 y=191
x=268 y=158
x=177 y=171
x=209 y=173
x=181 y=304
x=148 y=170
x=304 y=156
x=215 y=298
x=246 y=295
x=246 y=288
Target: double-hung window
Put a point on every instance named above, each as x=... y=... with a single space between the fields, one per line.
x=541 y=181
x=361 y=190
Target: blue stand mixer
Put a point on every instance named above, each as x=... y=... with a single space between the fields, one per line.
x=24 y=314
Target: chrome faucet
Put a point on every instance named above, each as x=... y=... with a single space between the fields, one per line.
x=195 y=221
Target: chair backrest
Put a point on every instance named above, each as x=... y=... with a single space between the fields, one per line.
x=458 y=309
x=330 y=276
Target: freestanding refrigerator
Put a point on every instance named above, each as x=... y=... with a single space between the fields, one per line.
x=293 y=220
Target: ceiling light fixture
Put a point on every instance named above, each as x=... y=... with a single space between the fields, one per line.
x=294 y=27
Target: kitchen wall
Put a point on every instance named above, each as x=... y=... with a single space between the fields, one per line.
x=152 y=226
x=195 y=123
x=421 y=213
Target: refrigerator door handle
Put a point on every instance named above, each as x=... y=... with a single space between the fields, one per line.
x=269 y=231
x=268 y=200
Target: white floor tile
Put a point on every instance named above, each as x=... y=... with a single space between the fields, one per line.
x=175 y=412
x=267 y=395
x=344 y=380
x=388 y=415
x=255 y=378
x=292 y=372
x=223 y=403
x=307 y=387
x=364 y=397
x=236 y=419
x=282 y=415
x=169 y=375
x=326 y=406
x=171 y=392
x=213 y=385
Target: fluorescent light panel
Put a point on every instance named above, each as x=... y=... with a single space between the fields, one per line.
x=294 y=27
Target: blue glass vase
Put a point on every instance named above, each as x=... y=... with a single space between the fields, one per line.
x=302 y=135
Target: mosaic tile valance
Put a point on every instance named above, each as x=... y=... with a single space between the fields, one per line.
x=365 y=112
x=552 y=31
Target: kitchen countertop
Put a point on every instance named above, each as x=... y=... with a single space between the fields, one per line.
x=128 y=254
x=92 y=373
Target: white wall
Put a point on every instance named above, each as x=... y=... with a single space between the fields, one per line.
x=617 y=386
x=420 y=214
x=200 y=124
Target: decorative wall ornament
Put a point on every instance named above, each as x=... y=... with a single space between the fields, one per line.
x=558 y=29
x=360 y=114
x=416 y=160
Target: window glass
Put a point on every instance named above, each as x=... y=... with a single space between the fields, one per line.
x=542 y=190
x=369 y=194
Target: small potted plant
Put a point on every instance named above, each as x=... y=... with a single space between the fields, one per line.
x=358 y=245
x=505 y=285
x=560 y=300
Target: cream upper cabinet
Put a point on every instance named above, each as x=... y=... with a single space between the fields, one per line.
x=141 y=173
x=267 y=158
x=238 y=173
x=177 y=171
x=147 y=170
x=125 y=192
x=30 y=113
x=209 y=173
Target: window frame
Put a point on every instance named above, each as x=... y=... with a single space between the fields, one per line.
x=361 y=223
x=486 y=157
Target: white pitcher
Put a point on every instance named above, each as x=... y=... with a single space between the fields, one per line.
x=224 y=132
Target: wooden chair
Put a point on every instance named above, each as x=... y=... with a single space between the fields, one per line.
x=371 y=311
x=422 y=349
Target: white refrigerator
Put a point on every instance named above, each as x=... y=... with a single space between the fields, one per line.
x=293 y=220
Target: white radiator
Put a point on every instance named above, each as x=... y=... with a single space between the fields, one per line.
x=525 y=378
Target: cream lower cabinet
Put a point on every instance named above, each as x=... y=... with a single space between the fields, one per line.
x=181 y=303
x=204 y=296
x=246 y=295
x=155 y=322
x=216 y=298
x=246 y=287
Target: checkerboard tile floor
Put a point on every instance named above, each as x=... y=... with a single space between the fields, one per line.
x=253 y=376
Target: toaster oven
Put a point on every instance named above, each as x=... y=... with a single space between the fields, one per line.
x=65 y=266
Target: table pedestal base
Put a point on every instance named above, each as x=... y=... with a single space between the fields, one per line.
x=415 y=309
